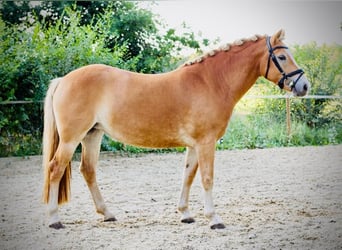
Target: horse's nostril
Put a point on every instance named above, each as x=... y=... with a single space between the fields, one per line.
x=305 y=87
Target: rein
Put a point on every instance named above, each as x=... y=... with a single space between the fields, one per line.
x=281 y=82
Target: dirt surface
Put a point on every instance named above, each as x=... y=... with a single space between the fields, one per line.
x=284 y=198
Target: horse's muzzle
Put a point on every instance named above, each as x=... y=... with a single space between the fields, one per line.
x=301 y=87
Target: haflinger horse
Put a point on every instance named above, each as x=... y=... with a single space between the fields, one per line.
x=189 y=107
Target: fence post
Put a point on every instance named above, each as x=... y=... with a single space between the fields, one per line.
x=288 y=117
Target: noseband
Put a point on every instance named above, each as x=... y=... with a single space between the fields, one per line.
x=281 y=82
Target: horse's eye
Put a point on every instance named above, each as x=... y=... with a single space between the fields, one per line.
x=282 y=58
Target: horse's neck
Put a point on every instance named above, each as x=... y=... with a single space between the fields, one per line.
x=235 y=73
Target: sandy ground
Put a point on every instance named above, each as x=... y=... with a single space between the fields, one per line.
x=285 y=198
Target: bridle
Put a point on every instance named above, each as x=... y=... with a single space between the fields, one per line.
x=281 y=82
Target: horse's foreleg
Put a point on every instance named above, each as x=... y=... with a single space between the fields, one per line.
x=90 y=154
x=206 y=154
x=189 y=174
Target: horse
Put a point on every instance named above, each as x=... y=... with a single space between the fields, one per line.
x=187 y=107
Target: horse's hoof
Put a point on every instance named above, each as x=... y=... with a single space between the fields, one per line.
x=218 y=226
x=188 y=220
x=57 y=225
x=110 y=219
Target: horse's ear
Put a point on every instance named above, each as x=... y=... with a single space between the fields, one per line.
x=279 y=36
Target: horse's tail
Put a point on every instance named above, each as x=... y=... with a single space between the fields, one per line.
x=50 y=144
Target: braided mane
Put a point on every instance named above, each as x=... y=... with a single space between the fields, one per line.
x=225 y=48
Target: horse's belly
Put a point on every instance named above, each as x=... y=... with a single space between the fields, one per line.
x=150 y=137
x=148 y=140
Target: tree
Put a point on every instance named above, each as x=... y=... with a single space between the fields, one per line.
x=14 y=12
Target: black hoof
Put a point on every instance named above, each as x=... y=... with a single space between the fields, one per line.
x=57 y=225
x=110 y=219
x=218 y=226
x=188 y=220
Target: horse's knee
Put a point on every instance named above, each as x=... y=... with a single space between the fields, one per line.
x=207 y=182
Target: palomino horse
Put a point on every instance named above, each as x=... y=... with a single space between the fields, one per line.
x=189 y=106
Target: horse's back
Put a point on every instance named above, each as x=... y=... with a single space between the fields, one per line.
x=91 y=85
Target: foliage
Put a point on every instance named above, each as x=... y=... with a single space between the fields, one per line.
x=15 y=12
x=323 y=67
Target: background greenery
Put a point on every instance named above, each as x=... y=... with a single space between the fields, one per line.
x=45 y=41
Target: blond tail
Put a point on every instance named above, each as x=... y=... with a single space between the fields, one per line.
x=50 y=144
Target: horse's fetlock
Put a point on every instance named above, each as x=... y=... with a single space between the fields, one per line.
x=209 y=214
x=182 y=208
x=101 y=209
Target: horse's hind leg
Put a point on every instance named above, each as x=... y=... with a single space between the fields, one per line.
x=90 y=154
x=57 y=168
x=189 y=174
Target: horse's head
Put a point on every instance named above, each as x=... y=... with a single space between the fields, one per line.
x=281 y=68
